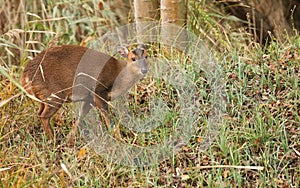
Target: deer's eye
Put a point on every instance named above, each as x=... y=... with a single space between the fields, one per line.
x=133 y=59
x=146 y=57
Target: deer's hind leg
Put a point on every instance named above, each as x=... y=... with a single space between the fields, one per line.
x=45 y=113
x=41 y=109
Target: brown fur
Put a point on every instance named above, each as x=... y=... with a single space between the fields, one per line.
x=51 y=75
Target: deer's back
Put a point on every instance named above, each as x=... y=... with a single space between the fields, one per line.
x=53 y=70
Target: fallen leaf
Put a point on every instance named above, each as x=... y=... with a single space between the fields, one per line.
x=278 y=181
x=225 y=173
x=199 y=139
x=185 y=177
x=256 y=142
x=82 y=153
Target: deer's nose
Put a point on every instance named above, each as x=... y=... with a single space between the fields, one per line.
x=144 y=70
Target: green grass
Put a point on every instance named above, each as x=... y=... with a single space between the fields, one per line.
x=260 y=127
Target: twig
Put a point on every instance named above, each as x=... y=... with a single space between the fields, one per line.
x=297 y=152
x=4 y=169
x=5 y=101
x=227 y=166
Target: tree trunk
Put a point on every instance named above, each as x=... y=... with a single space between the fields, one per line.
x=174 y=12
x=275 y=13
x=268 y=16
x=146 y=13
x=173 y=18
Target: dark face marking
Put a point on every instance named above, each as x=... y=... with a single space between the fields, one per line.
x=139 y=56
x=138 y=52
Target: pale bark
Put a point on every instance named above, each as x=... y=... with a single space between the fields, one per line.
x=146 y=13
x=174 y=12
x=146 y=10
x=173 y=18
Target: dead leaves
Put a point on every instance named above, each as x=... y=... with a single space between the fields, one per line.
x=82 y=154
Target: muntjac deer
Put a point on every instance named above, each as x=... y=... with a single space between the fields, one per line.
x=74 y=73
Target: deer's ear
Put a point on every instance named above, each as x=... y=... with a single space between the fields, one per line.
x=123 y=51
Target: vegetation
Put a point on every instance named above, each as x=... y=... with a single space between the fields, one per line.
x=259 y=141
